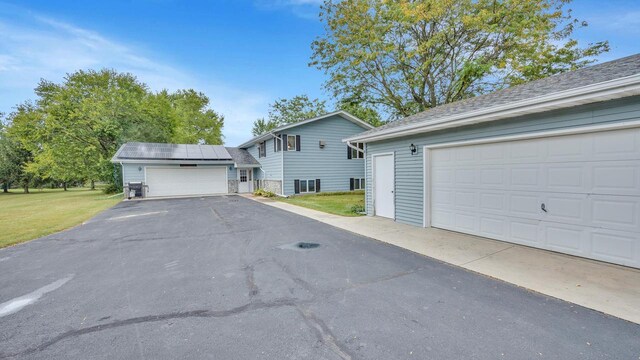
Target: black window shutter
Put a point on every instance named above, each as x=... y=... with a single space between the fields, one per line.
x=259 y=150
x=317 y=185
x=275 y=145
x=351 y=184
x=297 y=142
x=296 y=186
x=285 y=142
x=348 y=152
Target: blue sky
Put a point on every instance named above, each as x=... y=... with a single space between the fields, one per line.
x=242 y=54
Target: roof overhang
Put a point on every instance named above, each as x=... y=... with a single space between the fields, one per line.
x=341 y=113
x=608 y=90
x=247 y=165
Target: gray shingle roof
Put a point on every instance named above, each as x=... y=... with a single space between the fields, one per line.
x=242 y=156
x=156 y=151
x=611 y=70
x=341 y=113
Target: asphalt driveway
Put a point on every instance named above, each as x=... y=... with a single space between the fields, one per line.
x=220 y=278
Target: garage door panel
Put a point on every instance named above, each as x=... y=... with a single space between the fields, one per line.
x=526 y=177
x=589 y=184
x=564 y=237
x=184 y=181
x=566 y=178
x=621 y=178
x=493 y=227
x=525 y=205
x=615 y=212
x=615 y=246
x=523 y=231
x=617 y=146
x=567 y=208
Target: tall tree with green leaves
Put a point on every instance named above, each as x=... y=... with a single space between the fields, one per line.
x=409 y=56
x=287 y=111
x=75 y=127
x=196 y=122
x=13 y=161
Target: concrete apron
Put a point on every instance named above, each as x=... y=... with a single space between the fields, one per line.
x=611 y=289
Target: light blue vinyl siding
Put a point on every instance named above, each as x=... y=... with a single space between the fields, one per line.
x=130 y=172
x=330 y=164
x=409 y=183
x=271 y=164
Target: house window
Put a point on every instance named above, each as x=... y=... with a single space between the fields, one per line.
x=356 y=183
x=355 y=154
x=277 y=144
x=243 y=175
x=291 y=142
x=307 y=186
x=262 y=149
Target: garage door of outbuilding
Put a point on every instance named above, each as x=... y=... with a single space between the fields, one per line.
x=578 y=194
x=186 y=181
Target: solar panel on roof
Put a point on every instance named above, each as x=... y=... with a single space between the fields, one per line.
x=153 y=151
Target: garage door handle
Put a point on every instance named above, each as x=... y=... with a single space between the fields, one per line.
x=543 y=207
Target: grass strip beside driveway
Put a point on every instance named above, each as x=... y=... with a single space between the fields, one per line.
x=340 y=203
x=26 y=217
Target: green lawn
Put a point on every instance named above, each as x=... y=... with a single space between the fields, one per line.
x=333 y=203
x=25 y=217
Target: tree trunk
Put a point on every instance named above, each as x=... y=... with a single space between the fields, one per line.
x=26 y=188
x=5 y=188
x=93 y=185
x=64 y=186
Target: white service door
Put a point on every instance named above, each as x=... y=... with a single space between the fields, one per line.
x=384 y=186
x=184 y=181
x=245 y=180
x=576 y=194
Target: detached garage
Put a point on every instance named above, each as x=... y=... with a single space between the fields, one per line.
x=553 y=164
x=166 y=170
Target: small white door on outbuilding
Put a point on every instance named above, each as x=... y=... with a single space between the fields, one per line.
x=384 y=185
x=577 y=194
x=186 y=181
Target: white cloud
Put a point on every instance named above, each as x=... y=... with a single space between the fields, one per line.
x=34 y=47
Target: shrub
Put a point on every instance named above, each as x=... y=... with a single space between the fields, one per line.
x=357 y=209
x=264 y=193
x=111 y=189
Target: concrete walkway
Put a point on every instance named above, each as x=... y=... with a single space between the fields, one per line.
x=611 y=289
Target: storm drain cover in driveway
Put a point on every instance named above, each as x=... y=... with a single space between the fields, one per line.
x=299 y=246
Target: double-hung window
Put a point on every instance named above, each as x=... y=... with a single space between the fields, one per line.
x=262 y=149
x=356 y=154
x=291 y=143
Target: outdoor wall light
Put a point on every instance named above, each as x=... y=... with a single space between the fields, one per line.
x=139 y=168
x=413 y=149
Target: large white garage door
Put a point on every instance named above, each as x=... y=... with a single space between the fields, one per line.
x=182 y=181
x=576 y=194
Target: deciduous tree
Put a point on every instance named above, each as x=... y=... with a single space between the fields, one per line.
x=410 y=56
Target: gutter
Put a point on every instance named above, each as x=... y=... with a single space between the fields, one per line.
x=608 y=90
